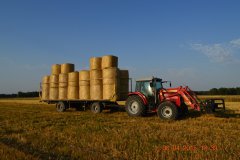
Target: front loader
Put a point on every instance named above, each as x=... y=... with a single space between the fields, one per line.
x=170 y=103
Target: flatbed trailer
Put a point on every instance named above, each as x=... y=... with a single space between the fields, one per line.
x=96 y=106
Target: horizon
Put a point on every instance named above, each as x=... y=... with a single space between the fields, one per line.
x=196 y=44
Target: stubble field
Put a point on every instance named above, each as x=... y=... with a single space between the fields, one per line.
x=33 y=130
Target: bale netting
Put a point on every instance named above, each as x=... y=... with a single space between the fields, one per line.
x=56 y=69
x=95 y=63
x=73 y=85
x=110 y=83
x=109 y=61
x=67 y=68
x=124 y=83
x=63 y=86
x=96 y=85
x=84 y=85
x=53 y=94
x=45 y=87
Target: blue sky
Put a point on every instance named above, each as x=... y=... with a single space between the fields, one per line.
x=194 y=43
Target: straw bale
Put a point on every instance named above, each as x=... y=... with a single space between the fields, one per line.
x=109 y=61
x=95 y=63
x=56 y=69
x=45 y=87
x=67 y=68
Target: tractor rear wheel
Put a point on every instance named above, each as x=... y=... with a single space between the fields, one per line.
x=168 y=111
x=135 y=107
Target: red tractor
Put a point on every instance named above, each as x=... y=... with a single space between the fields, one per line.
x=171 y=103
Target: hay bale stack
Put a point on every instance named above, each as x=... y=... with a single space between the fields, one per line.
x=56 y=69
x=67 y=68
x=95 y=63
x=45 y=87
x=96 y=84
x=63 y=86
x=110 y=83
x=84 y=85
x=73 y=85
x=53 y=94
x=109 y=61
x=124 y=83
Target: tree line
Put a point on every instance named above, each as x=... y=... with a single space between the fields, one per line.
x=20 y=95
x=220 y=91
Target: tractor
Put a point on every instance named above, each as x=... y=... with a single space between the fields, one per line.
x=168 y=103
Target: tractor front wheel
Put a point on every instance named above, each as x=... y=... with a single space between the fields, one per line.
x=135 y=107
x=167 y=110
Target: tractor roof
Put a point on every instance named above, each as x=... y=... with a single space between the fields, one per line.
x=148 y=79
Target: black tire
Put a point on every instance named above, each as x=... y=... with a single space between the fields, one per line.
x=96 y=107
x=135 y=107
x=61 y=106
x=167 y=111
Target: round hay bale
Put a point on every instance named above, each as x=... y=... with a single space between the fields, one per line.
x=45 y=87
x=67 y=68
x=63 y=86
x=73 y=92
x=84 y=78
x=109 y=61
x=110 y=83
x=95 y=63
x=96 y=84
x=84 y=92
x=124 y=83
x=56 y=69
x=53 y=93
x=73 y=79
x=110 y=75
x=73 y=85
x=84 y=84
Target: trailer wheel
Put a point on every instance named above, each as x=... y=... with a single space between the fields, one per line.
x=61 y=106
x=135 y=107
x=167 y=110
x=96 y=107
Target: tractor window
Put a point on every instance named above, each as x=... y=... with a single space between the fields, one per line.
x=158 y=85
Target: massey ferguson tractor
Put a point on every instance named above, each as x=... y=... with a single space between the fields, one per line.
x=170 y=104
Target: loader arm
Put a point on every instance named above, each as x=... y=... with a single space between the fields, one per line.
x=190 y=98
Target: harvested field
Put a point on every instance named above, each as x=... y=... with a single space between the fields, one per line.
x=32 y=130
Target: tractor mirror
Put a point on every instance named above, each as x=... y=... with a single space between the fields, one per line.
x=170 y=84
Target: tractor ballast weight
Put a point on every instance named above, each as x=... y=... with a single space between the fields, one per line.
x=170 y=103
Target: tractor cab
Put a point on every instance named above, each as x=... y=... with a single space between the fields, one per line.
x=150 y=88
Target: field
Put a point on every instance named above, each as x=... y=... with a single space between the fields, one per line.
x=32 y=130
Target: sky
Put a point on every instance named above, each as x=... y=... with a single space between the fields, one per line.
x=189 y=42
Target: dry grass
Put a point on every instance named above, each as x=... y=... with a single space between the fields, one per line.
x=29 y=130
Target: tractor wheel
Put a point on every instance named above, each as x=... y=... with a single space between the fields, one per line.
x=61 y=106
x=96 y=107
x=135 y=107
x=168 y=111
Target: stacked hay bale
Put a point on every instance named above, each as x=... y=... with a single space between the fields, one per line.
x=63 y=80
x=104 y=81
x=45 y=87
x=110 y=77
x=53 y=93
x=53 y=80
x=96 y=92
x=73 y=85
x=84 y=85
